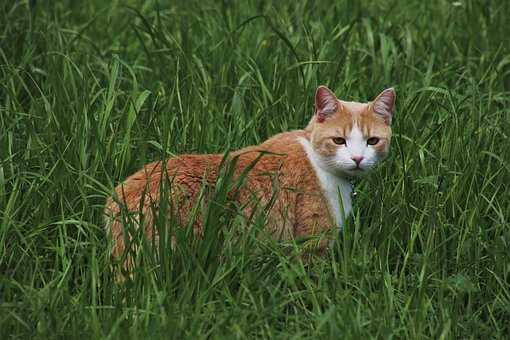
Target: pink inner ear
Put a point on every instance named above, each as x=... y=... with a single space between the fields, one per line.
x=384 y=104
x=325 y=103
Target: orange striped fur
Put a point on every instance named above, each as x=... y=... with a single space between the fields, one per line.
x=311 y=166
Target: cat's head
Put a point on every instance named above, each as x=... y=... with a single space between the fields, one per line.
x=350 y=138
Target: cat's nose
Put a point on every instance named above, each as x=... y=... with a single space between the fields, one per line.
x=357 y=159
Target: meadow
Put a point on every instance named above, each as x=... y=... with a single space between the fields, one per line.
x=91 y=90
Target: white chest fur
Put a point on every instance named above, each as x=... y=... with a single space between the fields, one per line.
x=337 y=190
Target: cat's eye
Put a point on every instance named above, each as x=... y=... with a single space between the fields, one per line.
x=372 y=141
x=339 y=140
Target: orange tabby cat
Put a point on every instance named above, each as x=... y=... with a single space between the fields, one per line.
x=312 y=168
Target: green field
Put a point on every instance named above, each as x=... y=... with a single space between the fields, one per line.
x=91 y=90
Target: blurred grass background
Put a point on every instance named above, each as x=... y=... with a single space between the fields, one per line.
x=90 y=91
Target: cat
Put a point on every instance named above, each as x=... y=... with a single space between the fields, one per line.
x=312 y=169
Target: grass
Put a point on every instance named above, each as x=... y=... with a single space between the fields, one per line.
x=90 y=91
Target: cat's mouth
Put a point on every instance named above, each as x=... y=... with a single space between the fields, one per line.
x=356 y=171
x=357 y=167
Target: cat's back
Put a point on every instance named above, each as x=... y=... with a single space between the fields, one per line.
x=281 y=149
x=188 y=170
x=191 y=170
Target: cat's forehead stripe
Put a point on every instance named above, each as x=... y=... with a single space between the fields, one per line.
x=360 y=116
x=353 y=114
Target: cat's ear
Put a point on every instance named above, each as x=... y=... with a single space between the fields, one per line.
x=384 y=104
x=326 y=103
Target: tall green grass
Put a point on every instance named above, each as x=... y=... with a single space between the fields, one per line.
x=90 y=91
